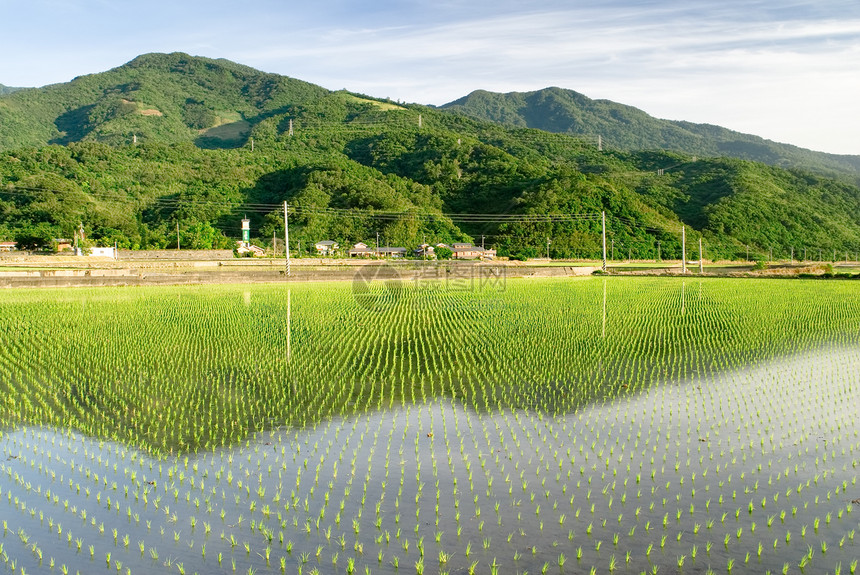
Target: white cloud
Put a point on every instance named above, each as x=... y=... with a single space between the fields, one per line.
x=791 y=80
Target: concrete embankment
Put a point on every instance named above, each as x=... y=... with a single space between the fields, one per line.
x=189 y=272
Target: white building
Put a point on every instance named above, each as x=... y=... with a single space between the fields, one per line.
x=326 y=247
x=102 y=253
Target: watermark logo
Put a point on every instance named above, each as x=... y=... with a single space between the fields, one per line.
x=461 y=278
x=377 y=287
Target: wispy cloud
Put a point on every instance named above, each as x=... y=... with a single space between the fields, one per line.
x=740 y=69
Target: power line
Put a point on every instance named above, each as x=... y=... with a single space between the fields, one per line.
x=363 y=213
x=357 y=213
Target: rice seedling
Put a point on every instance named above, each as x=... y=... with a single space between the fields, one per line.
x=156 y=417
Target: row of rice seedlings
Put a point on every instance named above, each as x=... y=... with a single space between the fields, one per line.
x=420 y=354
x=527 y=428
x=485 y=435
x=244 y=497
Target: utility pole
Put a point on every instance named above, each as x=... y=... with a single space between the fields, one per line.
x=287 y=238
x=603 y=218
x=547 y=248
x=482 y=241
x=658 y=251
x=701 y=257
x=613 y=249
x=177 y=235
x=377 y=243
x=683 y=249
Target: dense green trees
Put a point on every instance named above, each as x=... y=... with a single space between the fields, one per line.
x=217 y=141
x=627 y=128
x=400 y=183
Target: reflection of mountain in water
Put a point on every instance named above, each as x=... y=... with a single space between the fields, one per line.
x=724 y=453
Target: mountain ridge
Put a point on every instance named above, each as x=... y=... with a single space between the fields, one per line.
x=8 y=89
x=187 y=93
x=561 y=110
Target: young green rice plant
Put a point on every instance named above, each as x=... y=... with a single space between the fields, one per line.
x=538 y=446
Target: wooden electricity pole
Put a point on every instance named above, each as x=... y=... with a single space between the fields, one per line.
x=683 y=249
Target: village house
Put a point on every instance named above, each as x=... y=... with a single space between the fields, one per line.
x=425 y=251
x=391 y=252
x=255 y=251
x=63 y=245
x=8 y=246
x=326 y=247
x=361 y=250
x=465 y=251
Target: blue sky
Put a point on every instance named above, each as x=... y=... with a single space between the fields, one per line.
x=788 y=71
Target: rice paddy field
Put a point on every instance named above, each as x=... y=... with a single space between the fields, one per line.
x=592 y=425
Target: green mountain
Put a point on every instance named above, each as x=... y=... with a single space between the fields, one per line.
x=627 y=128
x=155 y=97
x=170 y=141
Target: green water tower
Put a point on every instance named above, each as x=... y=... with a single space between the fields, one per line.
x=246 y=231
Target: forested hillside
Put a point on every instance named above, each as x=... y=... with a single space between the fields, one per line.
x=156 y=97
x=628 y=128
x=173 y=142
